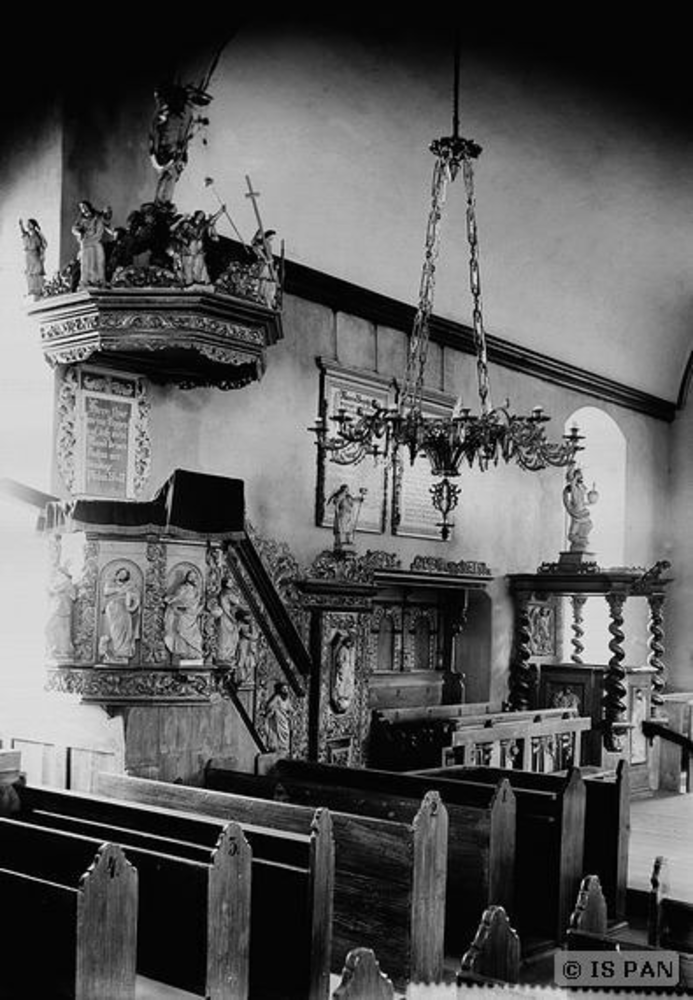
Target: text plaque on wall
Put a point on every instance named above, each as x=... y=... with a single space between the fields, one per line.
x=413 y=513
x=345 y=390
x=103 y=444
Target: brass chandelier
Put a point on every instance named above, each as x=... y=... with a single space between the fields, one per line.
x=482 y=439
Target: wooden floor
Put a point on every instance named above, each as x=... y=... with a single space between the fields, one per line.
x=662 y=825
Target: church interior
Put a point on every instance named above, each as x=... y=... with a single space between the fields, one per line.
x=345 y=485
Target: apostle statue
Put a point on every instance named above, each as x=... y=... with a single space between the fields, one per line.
x=122 y=600
x=343 y=674
x=224 y=611
x=182 y=635
x=61 y=595
x=277 y=720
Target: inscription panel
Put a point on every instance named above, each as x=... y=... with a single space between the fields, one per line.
x=107 y=444
x=103 y=441
x=413 y=513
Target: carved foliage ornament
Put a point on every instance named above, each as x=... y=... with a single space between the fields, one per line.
x=354 y=569
x=436 y=564
x=153 y=648
x=85 y=605
x=105 y=684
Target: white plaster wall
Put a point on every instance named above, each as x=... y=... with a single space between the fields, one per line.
x=583 y=200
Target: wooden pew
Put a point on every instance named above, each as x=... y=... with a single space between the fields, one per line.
x=292 y=883
x=670 y=924
x=606 y=822
x=481 y=833
x=362 y=978
x=588 y=929
x=550 y=810
x=70 y=927
x=607 y=833
x=494 y=955
x=404 y=739
x=389 y=876
x=193 y=910
x=670 y=920
x=542 y=745
x=10 y=775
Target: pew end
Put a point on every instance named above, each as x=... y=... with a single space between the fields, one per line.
x=494 y=954
x=362 y=978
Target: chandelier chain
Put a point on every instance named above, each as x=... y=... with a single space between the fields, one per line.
x=475 y=286
x=412 y=391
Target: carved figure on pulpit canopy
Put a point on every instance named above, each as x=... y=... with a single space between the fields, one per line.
x=34 y=256
x=277 y=719
x=182 y=634
x=174 y=124
x=347 y=508
x=92 y=228
x=61 y=595
x=577 y=500
x=343 y=671
x=261 y=245
x=121 y=613
x=188 y=237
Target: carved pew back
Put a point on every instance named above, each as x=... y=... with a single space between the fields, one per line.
x=403 y=739
x=543 y=745
x=62 y=899
x=389 y=876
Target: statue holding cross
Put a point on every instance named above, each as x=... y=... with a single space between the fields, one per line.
x=262 y=248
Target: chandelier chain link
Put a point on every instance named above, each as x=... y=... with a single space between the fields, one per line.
x=475 y=286
x=412 y=390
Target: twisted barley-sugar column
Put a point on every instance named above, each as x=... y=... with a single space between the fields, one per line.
x=615 y=691
x=578 y=602
x=656 y=645
x=520 y=684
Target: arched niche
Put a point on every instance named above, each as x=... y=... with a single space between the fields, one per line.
x=603 y=462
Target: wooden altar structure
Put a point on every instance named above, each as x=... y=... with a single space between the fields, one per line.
x=617 y=696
